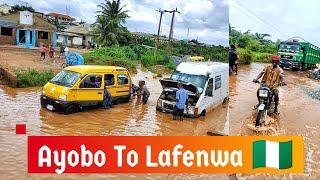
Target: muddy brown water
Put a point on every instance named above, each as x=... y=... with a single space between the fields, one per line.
x=133 y=118
x=299 y=114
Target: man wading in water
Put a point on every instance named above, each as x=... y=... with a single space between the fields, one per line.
x=181 y=100
x=143 y=90
x=273 y=77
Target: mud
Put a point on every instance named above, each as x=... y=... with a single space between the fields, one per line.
x=299 y=115
x=133 y=118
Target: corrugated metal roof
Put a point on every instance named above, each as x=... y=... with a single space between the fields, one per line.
x=7 y=23
x=67 y=34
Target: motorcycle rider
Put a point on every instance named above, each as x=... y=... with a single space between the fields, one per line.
x=273 y=77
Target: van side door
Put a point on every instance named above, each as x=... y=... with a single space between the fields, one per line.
x=123 y=84
x=110 y=83
x=90 y=89
x=208 y=98
x=217 y=87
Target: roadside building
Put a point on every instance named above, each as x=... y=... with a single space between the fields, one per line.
x=76 y=36
x=62 y=18
x=26 y=29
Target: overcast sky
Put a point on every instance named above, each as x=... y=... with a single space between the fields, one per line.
x=207 y=19
x=282 y=19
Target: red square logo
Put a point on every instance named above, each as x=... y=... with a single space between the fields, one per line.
x=20 y=128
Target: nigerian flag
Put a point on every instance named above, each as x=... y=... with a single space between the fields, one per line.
x=272 y=154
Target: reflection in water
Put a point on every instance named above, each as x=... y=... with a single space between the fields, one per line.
x=133 y=118
x=299 y=114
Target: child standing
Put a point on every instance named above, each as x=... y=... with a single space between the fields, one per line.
x=43 y=50
x=51 y=51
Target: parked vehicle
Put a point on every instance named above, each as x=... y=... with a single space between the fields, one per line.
x=197 y=59
x=207 y=84
x=78 y=86
x=298 y=55
x=266 y=104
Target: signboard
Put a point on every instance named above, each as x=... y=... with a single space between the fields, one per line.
x=26 y=17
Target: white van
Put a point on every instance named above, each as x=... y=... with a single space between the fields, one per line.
x=207 y=84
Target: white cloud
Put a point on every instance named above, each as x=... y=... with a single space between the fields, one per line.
x=282 y=19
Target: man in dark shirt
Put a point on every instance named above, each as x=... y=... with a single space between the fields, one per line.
x=232 y=58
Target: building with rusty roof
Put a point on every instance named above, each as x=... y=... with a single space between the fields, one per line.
x=60 y=17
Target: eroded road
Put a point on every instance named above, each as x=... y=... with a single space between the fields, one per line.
x=299 y=114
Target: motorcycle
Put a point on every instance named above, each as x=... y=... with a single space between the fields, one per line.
x=266 y=104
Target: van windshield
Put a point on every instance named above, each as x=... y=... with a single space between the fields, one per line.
x=66 y=78
x=197 y=80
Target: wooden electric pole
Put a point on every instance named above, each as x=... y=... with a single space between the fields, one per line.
x=158 y=34
x=171 y=30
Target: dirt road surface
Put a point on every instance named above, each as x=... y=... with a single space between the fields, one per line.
x=13 y=58
x=299 y=114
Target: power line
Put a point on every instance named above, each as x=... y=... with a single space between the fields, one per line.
x=171 y=28
x=256 y=16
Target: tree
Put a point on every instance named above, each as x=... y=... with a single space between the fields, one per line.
x=261 y=38
x=55 y=22
x=16 y=8
x=109 y=29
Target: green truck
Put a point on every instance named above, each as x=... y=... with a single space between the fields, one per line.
x=297 y=55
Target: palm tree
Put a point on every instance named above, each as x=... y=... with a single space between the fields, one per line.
x=261 y=37
x=109 y=27
x=60 y=26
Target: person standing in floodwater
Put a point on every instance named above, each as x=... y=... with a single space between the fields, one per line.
x=233 y=58
x=144 y=91
x=43 y=50
x=106 y=104
x=181 y=100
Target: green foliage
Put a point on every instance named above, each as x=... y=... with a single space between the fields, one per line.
x=108 y=27
x=112 y=57
x=245 y=56
x=171 y=65
x=128 y=57
x=16 y=8
x=262 y=57
x=256 y=45
x=149 y=58
x=214 y=53
x=32 y=78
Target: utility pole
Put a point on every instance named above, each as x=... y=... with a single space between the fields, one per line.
x=171 y=30
x=158 y=34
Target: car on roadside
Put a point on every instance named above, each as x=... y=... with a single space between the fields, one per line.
x=207 y=84
x=76 y=87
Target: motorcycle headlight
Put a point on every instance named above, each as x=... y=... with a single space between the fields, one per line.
x=63 y=97
x=44 y=92
x=263 y=93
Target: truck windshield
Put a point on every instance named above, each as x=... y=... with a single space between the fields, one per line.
x=197 y=80
x=289 y=47
x=65 y=78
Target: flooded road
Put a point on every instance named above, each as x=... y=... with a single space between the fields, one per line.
x=133 y=118
x=299 y=114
